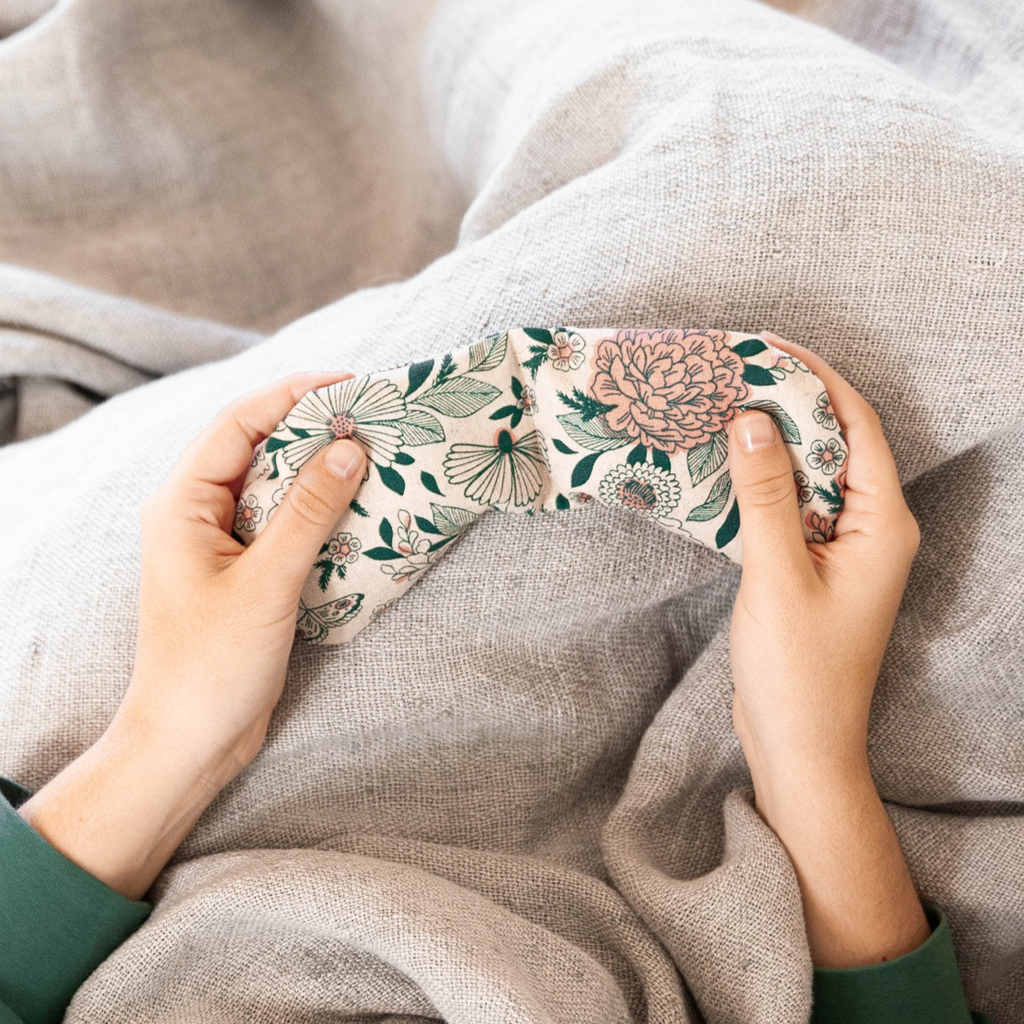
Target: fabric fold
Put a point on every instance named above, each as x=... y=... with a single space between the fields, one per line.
x=535 y=419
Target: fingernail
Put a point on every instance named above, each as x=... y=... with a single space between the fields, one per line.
x=755 y=430
x=344 y=459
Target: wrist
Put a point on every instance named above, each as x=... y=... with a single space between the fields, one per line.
x=197 y=756
x=805 y=802
x=794 y=762
x=123 y=807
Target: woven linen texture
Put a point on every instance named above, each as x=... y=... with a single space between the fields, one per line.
x=516 y=796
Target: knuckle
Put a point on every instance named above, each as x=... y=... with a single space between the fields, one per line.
x=309 y=503
x=770 y=491
x=909 y=531
x=870 y=413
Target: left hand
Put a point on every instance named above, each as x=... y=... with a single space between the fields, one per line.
x=216 y=626
x=216 y=618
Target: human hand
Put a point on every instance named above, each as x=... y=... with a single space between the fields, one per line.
x=216 y=626
x=216 y=618
x=809 y=629
x=811 y=621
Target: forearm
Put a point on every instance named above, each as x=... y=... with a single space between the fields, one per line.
x=860 y=905
x=123 y=807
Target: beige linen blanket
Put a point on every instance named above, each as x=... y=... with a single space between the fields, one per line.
x=516 y=797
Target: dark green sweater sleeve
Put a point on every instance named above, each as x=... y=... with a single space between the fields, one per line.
x=921 y=987
x=57 y=922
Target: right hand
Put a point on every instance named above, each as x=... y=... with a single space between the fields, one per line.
x=809 y=628
x=812 y=620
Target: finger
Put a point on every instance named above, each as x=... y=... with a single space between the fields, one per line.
x=871 y=469
x=223 y=450
x=219 y=457
x=312 y=506
x=762 y=479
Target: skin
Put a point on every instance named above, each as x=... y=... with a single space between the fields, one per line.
x=804 y=730
x=123 y=807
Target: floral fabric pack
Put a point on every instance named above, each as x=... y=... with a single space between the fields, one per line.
x=535 y=420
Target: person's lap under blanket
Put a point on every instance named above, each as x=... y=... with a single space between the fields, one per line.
x=517 y=795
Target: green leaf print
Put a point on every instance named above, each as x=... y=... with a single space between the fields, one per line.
x=488 y=353
x=750 y=347
x=451 y=520
x=538 y=357
x=714 y=504
x=430 y=482
x=505 y=410
x=638 y=456
x=440 y=543
x=326 y=567
x=538 y=334
x=707 y=458
x=387 y=533
x=562 y=503
x=427 y=526
x=582 y=470
x=660 y=459
x=418 y=373
x=459 y=397
x=419 y=427
x=381 y=554
x=447 y=369
x=562 y=447
x=758 y=376
x=392 y=480
x=831 y=496
x=589 y=408
x=594 y=435
x=730 y=527
x=358 y=509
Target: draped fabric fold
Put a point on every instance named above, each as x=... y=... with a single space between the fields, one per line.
x=517 y=795
x=537 y=419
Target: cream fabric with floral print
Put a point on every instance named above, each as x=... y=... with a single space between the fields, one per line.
x=538 y=420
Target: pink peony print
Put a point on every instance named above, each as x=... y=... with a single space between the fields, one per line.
x=668 y=389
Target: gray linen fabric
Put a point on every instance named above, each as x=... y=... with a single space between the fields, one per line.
x=516 y=796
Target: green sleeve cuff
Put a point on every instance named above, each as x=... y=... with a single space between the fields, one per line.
x=920 y=987
x=58 y=922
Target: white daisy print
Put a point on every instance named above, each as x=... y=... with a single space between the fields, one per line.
x=366 y=410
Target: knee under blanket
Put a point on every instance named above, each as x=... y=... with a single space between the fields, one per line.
x=516 y=796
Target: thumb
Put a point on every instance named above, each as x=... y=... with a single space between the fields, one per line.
x=762 y=478
x=316 y=500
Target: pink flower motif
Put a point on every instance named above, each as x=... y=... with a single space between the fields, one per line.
x=247 y=514
x=668 y=389
x=343 y=549
x=527 y=401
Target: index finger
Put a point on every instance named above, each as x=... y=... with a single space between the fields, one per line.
x=871 y=469
x=222 y=452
